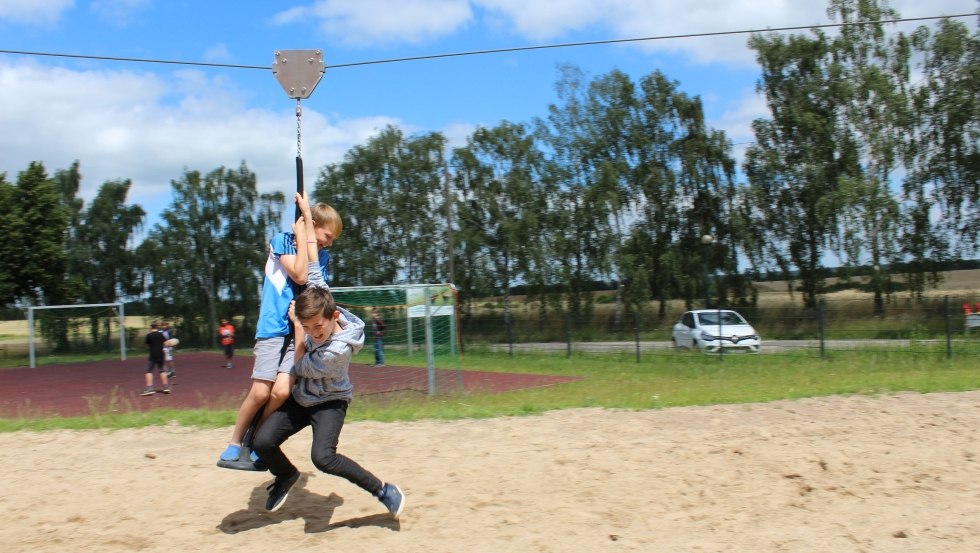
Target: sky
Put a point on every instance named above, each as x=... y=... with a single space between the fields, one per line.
x=150 y=122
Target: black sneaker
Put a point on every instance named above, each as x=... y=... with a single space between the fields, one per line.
x=279 y=489
x=148 y=392
x=393 y=498
x=166 y=390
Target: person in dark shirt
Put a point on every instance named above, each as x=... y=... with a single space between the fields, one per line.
x=155 y=340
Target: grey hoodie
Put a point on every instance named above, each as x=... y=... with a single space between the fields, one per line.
x=322 y=372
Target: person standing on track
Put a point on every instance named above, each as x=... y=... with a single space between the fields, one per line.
x=168 y=351
x=379 y=338
x=154 y=340
x=226 y=335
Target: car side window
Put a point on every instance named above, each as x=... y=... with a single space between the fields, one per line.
x=731 y=319
x=688 y=320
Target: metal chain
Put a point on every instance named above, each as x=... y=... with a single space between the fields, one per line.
x=299 y=130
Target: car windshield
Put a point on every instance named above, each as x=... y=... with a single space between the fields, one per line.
x=727 y=318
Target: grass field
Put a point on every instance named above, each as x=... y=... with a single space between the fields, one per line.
x=618 y=381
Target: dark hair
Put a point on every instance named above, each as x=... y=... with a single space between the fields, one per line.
x=315 y=301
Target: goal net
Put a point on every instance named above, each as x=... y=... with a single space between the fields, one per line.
x=76 y=330
x=417 y=349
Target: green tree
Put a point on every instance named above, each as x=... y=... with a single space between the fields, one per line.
x=578 y=209
x=103 y=256
x=390 y=193
x=501 y=199
x=801 y=154
x=643 y=178
x=38 y=230
x=874 y=73
x=944 y=154
x=11 y=231
x=209 y=249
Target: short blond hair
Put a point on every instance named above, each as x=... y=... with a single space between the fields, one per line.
x=325 y=216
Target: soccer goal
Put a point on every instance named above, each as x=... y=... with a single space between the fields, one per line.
x=419 y=328
x=76 y=329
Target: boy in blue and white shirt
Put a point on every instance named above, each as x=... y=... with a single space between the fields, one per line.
x=327 y=336
x=286 y=268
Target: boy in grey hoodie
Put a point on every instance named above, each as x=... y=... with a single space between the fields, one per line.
x=326 y=337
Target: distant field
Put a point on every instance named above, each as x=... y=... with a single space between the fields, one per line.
x=17 y=330
x=954 y=283
x=965 y=284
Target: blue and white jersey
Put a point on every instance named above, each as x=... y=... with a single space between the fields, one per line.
x=277 y=288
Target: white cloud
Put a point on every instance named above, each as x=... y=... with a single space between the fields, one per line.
x=545 y=20
x=371 y=22
x=457 y=133
x=119 y=12
x=149 y=128
x=34 y=12
x=218 y=53
x=387 y=22
x=553 y=20
x=736 y=120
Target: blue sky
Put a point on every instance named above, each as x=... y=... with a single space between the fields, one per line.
x=148 y=122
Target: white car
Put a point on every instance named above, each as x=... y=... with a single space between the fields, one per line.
x=701 y=329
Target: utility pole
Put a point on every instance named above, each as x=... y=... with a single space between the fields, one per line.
x=451 y=268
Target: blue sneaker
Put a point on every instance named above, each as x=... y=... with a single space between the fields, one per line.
x=279 y=489
x=231 y=453
x=393 y=498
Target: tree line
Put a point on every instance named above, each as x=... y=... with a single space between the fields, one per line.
x=869 y=153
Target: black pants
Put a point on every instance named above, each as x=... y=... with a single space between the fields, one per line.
x=327 y=419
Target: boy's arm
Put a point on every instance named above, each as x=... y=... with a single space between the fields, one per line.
x=303 y=230
x=299 y=335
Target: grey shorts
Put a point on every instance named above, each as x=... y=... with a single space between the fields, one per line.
x=270 y=359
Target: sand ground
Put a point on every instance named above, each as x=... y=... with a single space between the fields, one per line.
x=855 y=473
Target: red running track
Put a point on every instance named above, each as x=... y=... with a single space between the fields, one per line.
x=100 y=387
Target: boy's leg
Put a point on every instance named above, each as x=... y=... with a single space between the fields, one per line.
x=281 y=424
x=281 y=390
x=268 y=357
x=258 y=395
x=328 y=420
x=284 y=380
x=148 y=389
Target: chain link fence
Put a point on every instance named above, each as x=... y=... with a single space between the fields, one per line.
x=932 y=326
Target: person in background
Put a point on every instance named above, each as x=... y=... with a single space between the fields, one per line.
x=379 y=341
x=154 y=340
x=226 y=335
x=168 y=351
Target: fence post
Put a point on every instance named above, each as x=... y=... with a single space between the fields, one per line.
x=949 y=327
x=568 y=335
x=822 y=325
x=636 y=333
x=721 y=341
x=510 y=333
